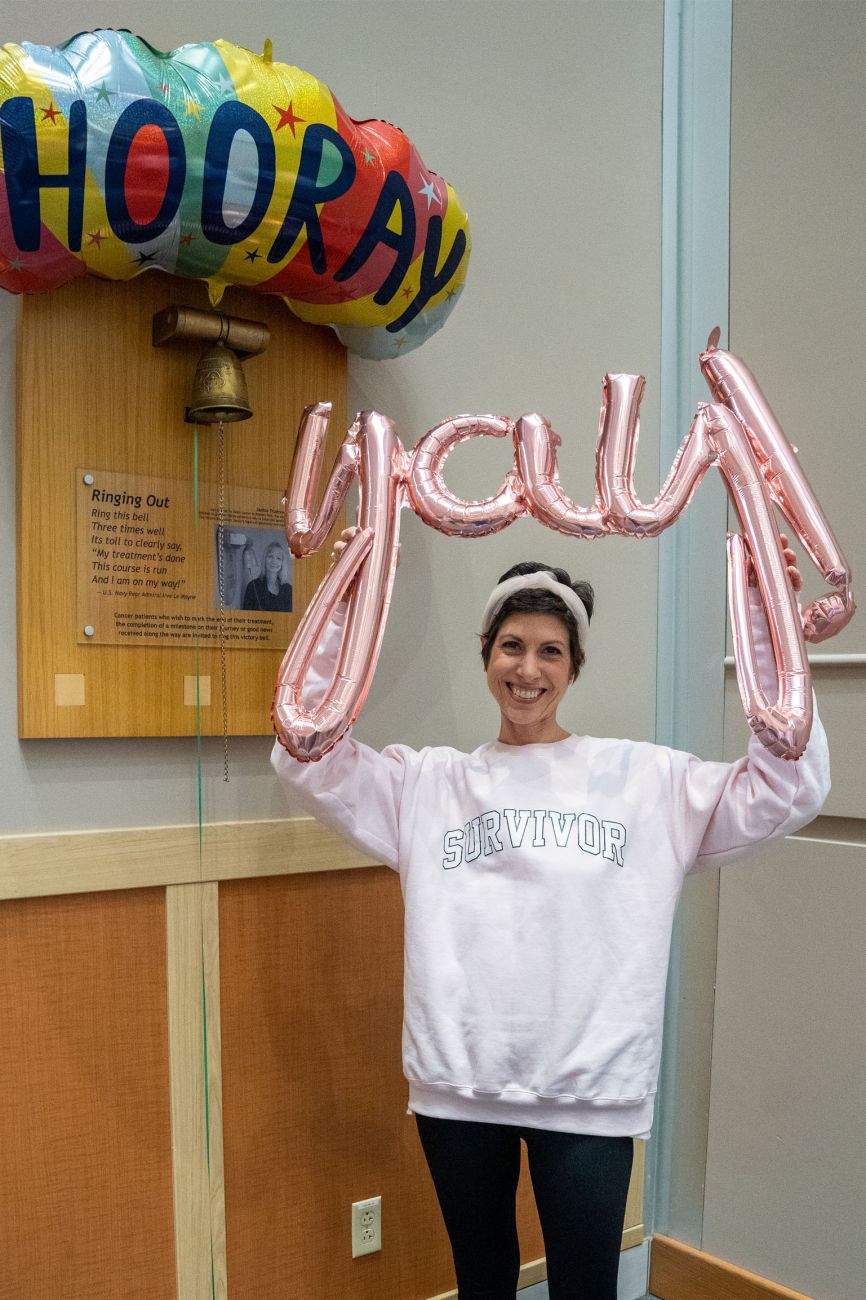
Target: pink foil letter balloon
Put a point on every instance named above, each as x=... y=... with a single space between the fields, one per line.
x=738 y=433
x=364 y=573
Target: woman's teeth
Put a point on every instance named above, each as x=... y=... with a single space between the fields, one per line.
x=525 y=695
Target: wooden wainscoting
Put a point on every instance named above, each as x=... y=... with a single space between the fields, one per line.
x=138 y=856
x=85 y=1136
x=192 y=923
x=201 y=1071
x=680 y=1272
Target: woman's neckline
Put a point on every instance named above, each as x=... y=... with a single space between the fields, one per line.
x=534 y=744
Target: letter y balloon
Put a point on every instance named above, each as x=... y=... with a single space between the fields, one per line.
x=737 y=432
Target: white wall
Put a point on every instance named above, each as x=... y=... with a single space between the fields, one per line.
x=787 y=1145
x=546 y=119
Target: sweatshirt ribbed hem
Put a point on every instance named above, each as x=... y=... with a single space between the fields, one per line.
x=605 y=1118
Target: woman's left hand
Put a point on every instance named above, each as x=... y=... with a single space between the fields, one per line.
x=795 y=577
x=343 y=541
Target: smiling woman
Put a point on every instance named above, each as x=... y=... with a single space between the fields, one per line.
x=540 y=876
x=534 y=629
x=528 y=673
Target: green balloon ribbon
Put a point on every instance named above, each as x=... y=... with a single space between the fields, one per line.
x=200 y=783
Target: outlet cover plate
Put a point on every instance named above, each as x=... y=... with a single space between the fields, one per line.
x=366 y=1226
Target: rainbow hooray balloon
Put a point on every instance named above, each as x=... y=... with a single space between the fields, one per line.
x=214 y=164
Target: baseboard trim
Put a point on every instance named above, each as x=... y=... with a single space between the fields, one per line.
x=680 y=1272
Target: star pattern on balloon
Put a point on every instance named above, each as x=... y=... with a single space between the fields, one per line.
x=103 y=94
x=251 y=254
x=96 y=237
x=429 y=192
x=408 y=292
x=369 y=158
x=287 y=117
x=192 y=108
x=187 y=239
x=50 y=113
x=145 y=257
x=224 y=87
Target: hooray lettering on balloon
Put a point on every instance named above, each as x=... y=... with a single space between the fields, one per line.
x=737 y=433
x=146 y=145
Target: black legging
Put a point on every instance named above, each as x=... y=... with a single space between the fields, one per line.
x=580 y=1184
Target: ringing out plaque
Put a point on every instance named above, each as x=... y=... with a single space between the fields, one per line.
x=160 y=564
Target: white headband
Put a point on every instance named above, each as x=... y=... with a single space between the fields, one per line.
x=543 y=578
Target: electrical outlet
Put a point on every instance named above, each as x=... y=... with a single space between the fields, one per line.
x=366 y=1226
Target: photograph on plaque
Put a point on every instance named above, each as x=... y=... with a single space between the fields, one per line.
x=160 y=562
x=254 y=567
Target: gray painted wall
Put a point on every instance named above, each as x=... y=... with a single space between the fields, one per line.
x=787 y=1146
x=546 y=119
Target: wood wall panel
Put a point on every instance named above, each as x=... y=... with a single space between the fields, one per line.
x=73 y=862
x=196 y=1090
x=94 y=393
x=314 y=1100
x=680 y=1272
x=85 y=1144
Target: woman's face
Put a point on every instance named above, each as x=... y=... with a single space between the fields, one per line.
x=528 y=673
x=273 y=560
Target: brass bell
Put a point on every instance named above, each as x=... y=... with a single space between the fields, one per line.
x=219 y=390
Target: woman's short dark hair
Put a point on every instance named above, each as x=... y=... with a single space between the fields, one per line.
x=538 y=600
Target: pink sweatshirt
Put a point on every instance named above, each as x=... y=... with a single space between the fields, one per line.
x=540 y=884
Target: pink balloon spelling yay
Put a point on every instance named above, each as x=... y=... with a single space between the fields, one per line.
x=738 y=433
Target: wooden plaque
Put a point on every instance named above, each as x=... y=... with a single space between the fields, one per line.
x=95 y=397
